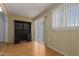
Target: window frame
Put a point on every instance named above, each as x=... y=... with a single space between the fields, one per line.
x=65 y=27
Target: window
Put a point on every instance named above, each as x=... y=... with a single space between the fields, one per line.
x=0 y=9
x=66 y=17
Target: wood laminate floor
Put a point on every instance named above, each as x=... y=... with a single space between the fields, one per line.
x=2 y=45
x=29 y=49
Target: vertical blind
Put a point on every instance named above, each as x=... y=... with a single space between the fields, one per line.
x=2 y=27
x=66 y=17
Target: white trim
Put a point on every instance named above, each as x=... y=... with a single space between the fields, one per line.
x=6 y=29
x=57 y=50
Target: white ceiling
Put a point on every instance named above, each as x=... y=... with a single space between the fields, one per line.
x=26 y=9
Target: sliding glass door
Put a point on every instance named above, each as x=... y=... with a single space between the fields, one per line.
x=39 y=30
x=2 y=31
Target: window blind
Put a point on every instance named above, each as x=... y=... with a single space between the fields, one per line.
x=66 y=17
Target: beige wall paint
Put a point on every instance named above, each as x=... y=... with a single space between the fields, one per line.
x=64 y=41
x=11 y=19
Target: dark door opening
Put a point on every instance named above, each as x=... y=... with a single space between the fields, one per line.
x=22 y=31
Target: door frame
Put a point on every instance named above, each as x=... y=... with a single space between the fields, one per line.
x=45 y=29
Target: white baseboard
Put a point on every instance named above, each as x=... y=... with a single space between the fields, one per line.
x=57 y=50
